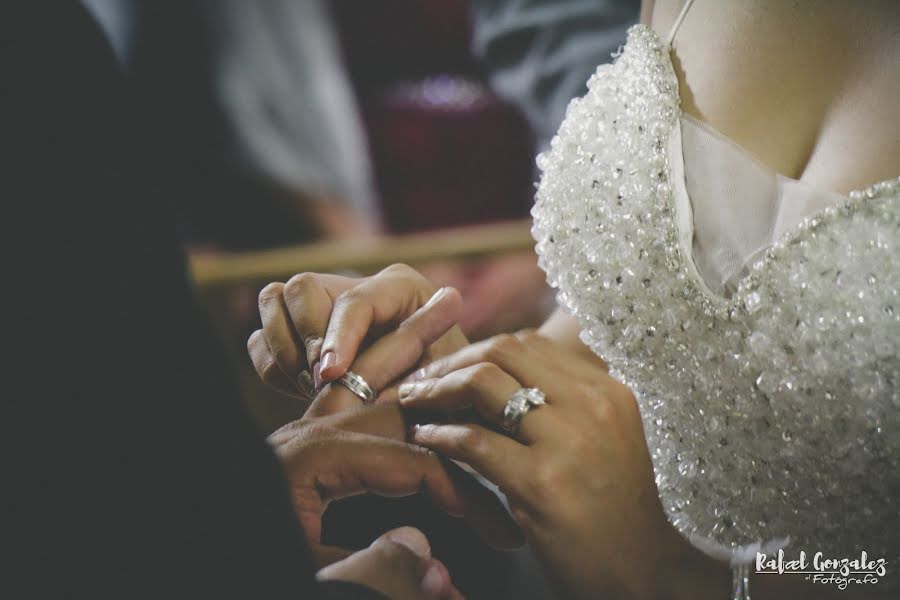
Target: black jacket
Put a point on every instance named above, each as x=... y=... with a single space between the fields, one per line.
x=131 y=469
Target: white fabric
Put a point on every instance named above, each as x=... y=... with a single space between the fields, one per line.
x=740 y=207
x=282 y=84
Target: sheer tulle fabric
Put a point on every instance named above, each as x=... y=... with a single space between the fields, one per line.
x=740 y=207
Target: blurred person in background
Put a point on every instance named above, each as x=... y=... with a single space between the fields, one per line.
x=539 y=53
x=256 y=93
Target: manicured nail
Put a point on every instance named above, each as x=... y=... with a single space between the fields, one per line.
x=405 y=390
x=421 y=430
x=435 y=297
x=435 y=581
x=317 y=379
x=329 y=361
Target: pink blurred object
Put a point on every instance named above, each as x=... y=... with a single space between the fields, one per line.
x=447 y=152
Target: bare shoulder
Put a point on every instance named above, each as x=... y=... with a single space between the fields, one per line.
x=564 y=330
x=808 y=86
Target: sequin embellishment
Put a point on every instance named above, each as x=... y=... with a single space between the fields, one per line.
x=771 y=414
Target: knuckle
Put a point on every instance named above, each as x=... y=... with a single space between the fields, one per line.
x=300 y=282
x=284 y=357
x=502 y=347
x=396 y=555
x=269 y=371
x=352 y=296
x=271 y=293
x=603 y=411
x=547 y=480
x=581 y=445
x=253 y=341
x=399 y=269
x=528 y=335
x=470 y=441
x=483 y=376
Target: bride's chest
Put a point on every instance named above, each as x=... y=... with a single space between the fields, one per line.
x=808 y=344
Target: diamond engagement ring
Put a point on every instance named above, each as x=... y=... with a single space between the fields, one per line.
x=522 y=400
x=358 y=386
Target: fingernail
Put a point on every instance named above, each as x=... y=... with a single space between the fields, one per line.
x=405 y=391
x=329 y=360
x=411 y=538
x=317 y=380
x=435 y=581
x=421 y=430
x=435 y=297
x=418 y=375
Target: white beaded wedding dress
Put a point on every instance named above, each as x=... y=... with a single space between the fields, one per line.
x=756 y=319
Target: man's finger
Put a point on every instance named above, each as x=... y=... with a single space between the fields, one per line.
x=279 y=331
x=269 y=372
x=309 y=298
x=515 y=355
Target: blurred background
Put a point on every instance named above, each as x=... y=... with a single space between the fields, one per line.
x=343 y=136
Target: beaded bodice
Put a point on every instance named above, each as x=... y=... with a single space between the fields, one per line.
x=773 y=413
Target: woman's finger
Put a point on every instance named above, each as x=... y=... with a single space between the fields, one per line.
x=484 y=386
x=309 y=298
x=269 y=372
x=524 y=360
x=502 y=460
x=395 y=353
x=388 y=297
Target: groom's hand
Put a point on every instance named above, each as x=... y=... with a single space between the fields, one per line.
x=345 y=454
x=318 y=322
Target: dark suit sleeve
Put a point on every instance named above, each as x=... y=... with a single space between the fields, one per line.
x=131 y=469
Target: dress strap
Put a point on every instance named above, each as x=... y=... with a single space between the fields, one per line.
x=678 y=21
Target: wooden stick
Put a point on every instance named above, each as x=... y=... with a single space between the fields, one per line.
x=362 y=256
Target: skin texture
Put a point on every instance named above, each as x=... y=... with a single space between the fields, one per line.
x=807 y=86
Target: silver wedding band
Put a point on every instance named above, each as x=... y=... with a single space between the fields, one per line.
x=518 y=405
x=358 y=386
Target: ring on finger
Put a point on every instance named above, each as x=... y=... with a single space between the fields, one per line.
x=359 y=386
x=518 y=405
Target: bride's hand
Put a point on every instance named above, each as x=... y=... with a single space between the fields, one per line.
x=578 y=474
x=317 y=323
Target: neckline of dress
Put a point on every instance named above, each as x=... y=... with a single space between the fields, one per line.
x=683 y=222
x=750 y=155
